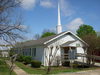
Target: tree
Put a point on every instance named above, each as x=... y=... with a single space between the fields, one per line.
x=85 y=30
x=92 y=41
x=10 y=26
x=37 y=36
x=98 y=42
x=47 y=33
x=52 y=56
x=88 y=34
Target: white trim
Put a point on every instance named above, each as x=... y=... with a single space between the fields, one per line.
x=79 y=38
x=62 y=35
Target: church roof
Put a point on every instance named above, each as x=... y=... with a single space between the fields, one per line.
x=43 y=41
x=35 y=42
x=40 y=41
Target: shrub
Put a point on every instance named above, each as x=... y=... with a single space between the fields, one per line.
x=66 y=63
x=27 y=59
x=83 y=66
x=20 y=58
x=1 y=62
x=35 y=64
x=11 y=53
x=75 y=65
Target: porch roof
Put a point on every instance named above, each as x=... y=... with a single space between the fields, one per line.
x=67 y=43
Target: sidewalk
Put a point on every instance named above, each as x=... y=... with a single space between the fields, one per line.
x=16 y=69
x=90 y=72
x=97 y=64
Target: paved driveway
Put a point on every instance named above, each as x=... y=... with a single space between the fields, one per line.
x=90 y=72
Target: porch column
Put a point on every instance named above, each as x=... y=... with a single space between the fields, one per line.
x=86 y=55
x=70 y=58
x=60 y=56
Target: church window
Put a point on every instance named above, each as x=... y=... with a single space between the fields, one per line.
x=33 y=51
x=30 y=51
x=77 y=45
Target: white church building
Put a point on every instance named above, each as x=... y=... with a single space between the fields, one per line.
x=64 y=45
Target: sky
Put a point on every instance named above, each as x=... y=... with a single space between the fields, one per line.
x=39 y=15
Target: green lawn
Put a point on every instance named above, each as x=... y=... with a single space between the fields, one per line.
x=54 y=70
x=29 y=69
x=41 y=70
x=4 y=68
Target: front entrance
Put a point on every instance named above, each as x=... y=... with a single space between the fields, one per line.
x=65 y=61
x=66 y=50
x=68 y=53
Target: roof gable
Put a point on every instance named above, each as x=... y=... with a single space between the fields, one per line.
x=61 y=34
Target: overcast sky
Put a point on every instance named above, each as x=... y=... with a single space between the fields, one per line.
x=42 y=14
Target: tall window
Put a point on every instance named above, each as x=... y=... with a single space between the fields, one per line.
x=30 y=51
x=23 y=51
x=33 y=51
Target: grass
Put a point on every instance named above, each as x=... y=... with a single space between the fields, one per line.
x=54 y=70
x=29 y=69
x=4 y=68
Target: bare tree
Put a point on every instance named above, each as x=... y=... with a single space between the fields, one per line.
x=37 y=36
x=10 y=26
x=48 y=30
x=51 y=56
x=58 y=60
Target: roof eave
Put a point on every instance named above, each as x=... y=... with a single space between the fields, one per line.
x=66 y=33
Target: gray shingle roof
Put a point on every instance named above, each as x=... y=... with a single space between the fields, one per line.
x=35 y=42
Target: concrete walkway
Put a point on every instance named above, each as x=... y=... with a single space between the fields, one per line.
x=90 y=72
x=97 y=64
x=16 y=69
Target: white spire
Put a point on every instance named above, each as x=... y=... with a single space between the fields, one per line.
x=59 y=27
x=59 y=20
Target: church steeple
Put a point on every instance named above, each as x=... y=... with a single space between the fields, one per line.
x=59 y=27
